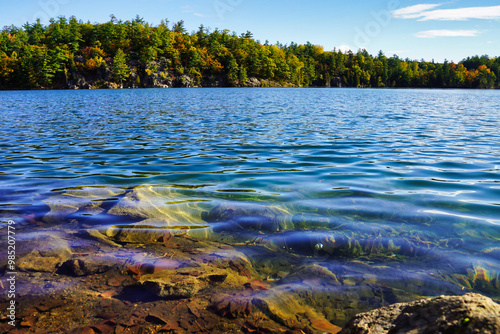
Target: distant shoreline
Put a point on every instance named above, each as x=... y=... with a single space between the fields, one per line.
x=248 y=87
x=69 y=53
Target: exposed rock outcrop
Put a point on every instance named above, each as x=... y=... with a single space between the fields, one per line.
x=470 y=313
x=252 y=82
x=184 y=81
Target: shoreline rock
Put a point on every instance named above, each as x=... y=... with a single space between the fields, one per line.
x=470 y=313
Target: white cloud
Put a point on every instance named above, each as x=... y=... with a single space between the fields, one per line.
x=446 y=33
x=198 y=14
x=463 y=14
x=344 y=48
x=413 y=12
x=423 y=13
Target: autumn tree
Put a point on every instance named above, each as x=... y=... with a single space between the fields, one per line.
x=53 y=55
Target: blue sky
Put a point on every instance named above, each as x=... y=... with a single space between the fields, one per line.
x=415 y=29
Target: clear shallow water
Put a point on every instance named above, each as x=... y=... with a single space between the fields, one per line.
x=400 y=184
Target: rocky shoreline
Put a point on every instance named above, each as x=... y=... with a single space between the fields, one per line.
x=183 y=81
x=158 y=76
x=176 y=284
x=182 y=285
x=161 y=269
x=84 y=282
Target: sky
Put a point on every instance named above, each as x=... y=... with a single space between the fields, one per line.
x=415 y=29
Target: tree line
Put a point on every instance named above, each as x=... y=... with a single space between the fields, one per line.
x=134 y=53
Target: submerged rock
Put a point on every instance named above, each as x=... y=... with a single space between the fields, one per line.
x=165 y=205
x=279 y=304
x=169 y=281
x=285 y=307
x=191 y=267
x=88 y=266
x=60 y=207
x=35 y=261
x=168 y=208
x=244 y=216
x=470 y=313
x=309 y=272
x=42 y=252
x=87 y=199
x=96 y=235
x=148 y=231
x=171 y=285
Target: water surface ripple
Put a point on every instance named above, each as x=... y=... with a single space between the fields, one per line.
x=409 y=168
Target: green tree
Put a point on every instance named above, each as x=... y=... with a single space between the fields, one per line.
x=242 y=75
x=179 y=27
x=233 y=72
x=121 y=70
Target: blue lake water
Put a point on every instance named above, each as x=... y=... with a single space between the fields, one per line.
x=402 y=185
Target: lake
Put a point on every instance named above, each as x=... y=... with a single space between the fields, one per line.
x=395 y=192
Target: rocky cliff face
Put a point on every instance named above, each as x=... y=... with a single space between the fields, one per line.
x=470 y=313
x=155 y=75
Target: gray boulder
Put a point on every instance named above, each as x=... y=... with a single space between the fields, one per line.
x=252 y=82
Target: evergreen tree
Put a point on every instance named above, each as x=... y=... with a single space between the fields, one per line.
x=121 y=70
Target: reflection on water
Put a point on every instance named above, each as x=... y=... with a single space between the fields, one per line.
x=393 y=192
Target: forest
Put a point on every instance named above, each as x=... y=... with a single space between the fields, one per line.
x=68 y=53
